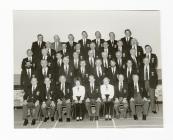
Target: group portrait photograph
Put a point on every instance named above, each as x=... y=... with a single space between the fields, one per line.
x=87 y=69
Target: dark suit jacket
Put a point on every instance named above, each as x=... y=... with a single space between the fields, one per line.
x=99 y=79
x=33 y=96
x=59 y=46
x=121 y=67
x=129 y=78
x=85 y=48
x=111 y=76
x=50 y=94
x=98 y=48
x=60 y=94
x=37 y=49
x=153 y=77
x=140 y=52
x=70 y=49
x=142 y=90
x=123 y=93
x=33 y=62
x=137 y=64
x=153 y=60
x=53 y=54
x=126 y=44
x=112 y=47
x=83 y=76
x=95 y=94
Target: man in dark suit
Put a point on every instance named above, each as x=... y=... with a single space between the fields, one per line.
x=37 y=46
x=85 y=43
x=112 y=43
x=96 y=52
x=58 y=63
x=90 y=61
x=99 y=72
x=75 y=63
x=32 y=100
x=83 y=72
x=121 y=95
x=112 y=72
x=152 y=57
x=28 y=69
x=44 y=72
x=67 y=70
x=48 y=90
x=51 y=52
x=122 y=49
x=148 y=75
x=65 y=52
x=138 y=95
x=105 y=61
x=120 y=62
x=63 y=97
x=81 y=52
x=93 y=97
x=56 y=45
x=139 y=49
x=98 y=41
x=71 y=44
x=135 y=60
x=107 y=49
x=127 y=39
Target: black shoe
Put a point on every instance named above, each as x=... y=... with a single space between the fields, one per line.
x=91 y=118
x=52 y=119
x=135 y=117
x=68 y=119
x=106 y=119
x=96 y=118
x=47 y=118
x=60 y=119
x=25 y=122
x=154 y=112
x=33 y=122
x=144 y=117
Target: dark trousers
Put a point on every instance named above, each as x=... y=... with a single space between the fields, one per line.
x=68 y=108
x=97 y=107
x=108 y=107
x=48 y=107
x=78 y=109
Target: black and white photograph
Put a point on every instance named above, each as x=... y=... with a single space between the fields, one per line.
x=87 y=69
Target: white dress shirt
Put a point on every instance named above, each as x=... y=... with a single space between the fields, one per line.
x=109 y=89
x=137 y=86
x=148 y=68
x=78 y=91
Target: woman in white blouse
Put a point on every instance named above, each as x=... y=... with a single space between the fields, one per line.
x=78 y=97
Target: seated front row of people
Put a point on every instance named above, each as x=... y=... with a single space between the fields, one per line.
x=49 y=97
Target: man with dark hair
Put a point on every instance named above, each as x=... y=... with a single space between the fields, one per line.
x=112 y=42
x=98 y=41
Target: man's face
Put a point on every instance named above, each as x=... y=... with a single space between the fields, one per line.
x=98 y=35
x=146 y=61
x=104 y=55
x=84 y=35
x=112 y=63
x=133 y=52
x=44 y=63
x=56 y=38
x=71 y=38
x=64 y=46
x=129 y=64
x=105 y=45
x=98 y=62
x=127 y=34
x=118 y=55
x=112 y=36
x=40 y=38
x=48 y=45
x=34 y=81
x=148 y=49
x=121 y=78
x=91 y=79
x=62 y=79
x=75 y=55
x=29 y=53
x=134 y=42
x=120 y=43
x=77 y=46
x=66 y=61
x=44 y=52
x=58 y=56
x=106 y=81
x=47 y=81
x=82 y=63
x=92 y=46
x=135 y=78
x=90 y=54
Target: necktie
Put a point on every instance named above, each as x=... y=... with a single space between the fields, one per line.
x=112 y=43
x=121 y=87
x=91 y=88
x=113 y=70
x=135 y=87
x=84 y=42
x=146 y=75
x=98 y=72
x=29 y=74
x=44 y=73
x=66 y=69
x=128 y=73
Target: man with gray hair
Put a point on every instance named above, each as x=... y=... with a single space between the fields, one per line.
x=56 y=45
